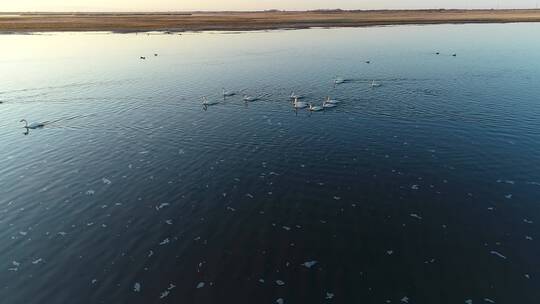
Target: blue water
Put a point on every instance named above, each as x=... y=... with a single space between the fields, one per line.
x=423 y=190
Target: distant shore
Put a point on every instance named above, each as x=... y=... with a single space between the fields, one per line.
x=246 y=21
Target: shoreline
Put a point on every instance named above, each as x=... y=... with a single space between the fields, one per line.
x=13 y=23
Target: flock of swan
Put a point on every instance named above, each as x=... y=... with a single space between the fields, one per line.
x=295 y=98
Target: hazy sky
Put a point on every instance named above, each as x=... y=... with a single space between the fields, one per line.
x=178 y=5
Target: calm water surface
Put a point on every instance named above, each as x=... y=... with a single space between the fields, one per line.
x=423 y=190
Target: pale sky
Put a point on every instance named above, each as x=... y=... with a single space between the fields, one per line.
x=187 y=5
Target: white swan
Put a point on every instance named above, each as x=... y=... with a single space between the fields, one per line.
x=331 y=101
x=327 y=104
x=34 y=125
x=299 y=104
x=228 y=93
x=295 y=96
x=250 y=98
x=374 y=84
x=313 y=108
x=207 y=102
x=339 y=80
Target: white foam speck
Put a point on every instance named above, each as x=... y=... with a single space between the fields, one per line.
x=309 y=264
x=164 y=294
x=416 y=216
x=498 y=254
x=161 y=206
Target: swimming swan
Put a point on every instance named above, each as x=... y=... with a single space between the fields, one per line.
x=331 y=101
x=294 y=96
x=207 y=102
x=327 y=104
x=313 y=108
x=299 y=104
x=250 y=98
x=34 y=125
x=228 y=93
x=374 y=84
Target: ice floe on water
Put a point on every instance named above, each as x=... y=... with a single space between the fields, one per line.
x=309 y=264
x=137 y=287
x=498 y=254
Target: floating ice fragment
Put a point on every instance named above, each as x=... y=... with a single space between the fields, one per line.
x=280 y=282
x=137 y=287
x=165 y=242
x=106 y=181
x=329 y=296
x=416 y=216
x=498 y=254
x=200 y=285
x=309 y=264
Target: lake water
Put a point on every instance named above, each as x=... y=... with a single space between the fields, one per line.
x=425 y=189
